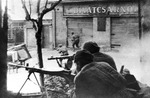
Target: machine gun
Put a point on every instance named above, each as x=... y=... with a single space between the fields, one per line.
x=63 y=73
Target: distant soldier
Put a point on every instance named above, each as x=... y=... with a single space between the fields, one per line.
x=75 y=40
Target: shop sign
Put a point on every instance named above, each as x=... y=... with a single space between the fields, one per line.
x=100 y=10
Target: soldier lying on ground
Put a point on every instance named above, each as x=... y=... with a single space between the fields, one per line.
x=98 y=79
x=93 y=48
x=131 y=80
x=143 y=90
x=62 y=50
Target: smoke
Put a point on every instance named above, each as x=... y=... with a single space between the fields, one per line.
x=145 y=60
x=135 y=56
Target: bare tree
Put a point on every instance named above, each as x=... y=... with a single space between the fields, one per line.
x=42 y=8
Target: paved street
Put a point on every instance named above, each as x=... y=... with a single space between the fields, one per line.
x=129 y=60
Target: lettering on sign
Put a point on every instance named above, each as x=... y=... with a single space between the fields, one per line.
x=99 y=10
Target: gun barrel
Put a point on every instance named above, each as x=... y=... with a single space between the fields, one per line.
x=62 y=57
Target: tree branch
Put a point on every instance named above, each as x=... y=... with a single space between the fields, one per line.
x=35 y=23
x=28 y=17
x=49 y=9
x=30 y=7
x=26 y=11
x=38 y=6
x=46 y=3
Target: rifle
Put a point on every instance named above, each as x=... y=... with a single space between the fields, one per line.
x=61 y=58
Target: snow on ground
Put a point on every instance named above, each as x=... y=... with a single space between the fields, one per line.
x=16 y=80
x=130 y=61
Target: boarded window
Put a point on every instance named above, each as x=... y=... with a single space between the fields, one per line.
x=101 y=24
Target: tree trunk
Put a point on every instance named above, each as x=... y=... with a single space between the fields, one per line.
x=39 y=52
x=38 y=28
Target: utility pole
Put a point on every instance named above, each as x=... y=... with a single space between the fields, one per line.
x=140 y=31
x=3 y=52
x=139 y=18
x=0 y=13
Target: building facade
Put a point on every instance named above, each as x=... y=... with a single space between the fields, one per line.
x=112 y=24
x=29 y=34
x=16 y=32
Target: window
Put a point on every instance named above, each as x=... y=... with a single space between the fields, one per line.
x=101 y=24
